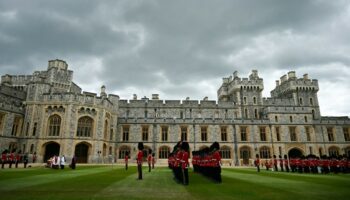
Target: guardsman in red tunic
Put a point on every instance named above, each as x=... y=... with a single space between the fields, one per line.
x=153 y=160
x=216 y=158
x=257 y=162
x=149 y=159
x=184 y=162
x=3 y=159
x=11 y=159
x=275 y=163
x=178 y=169
x=139 y=159
x=126 y=160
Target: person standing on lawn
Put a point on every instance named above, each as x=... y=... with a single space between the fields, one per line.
x=126 y=159
x=257 y=162
x=139 y=160
x=184 y=162
x=149 y=159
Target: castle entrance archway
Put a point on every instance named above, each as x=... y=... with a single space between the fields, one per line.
x=81 y=152
x=51 y=149
x=295 y=153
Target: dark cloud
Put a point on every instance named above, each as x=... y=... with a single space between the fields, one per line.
x=180 y=48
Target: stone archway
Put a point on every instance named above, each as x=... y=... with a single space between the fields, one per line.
x=295 y=153
x=82 y=152
x=51 y=149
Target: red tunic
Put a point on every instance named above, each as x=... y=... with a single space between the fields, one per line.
x=126 y=159
x=149 y=158
x=139 y=157
x=184 y=160
x=3 y=157
x=216 y=158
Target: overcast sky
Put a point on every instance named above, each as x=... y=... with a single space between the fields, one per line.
x=181 y=48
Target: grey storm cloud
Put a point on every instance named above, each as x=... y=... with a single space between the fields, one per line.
x=181 y=48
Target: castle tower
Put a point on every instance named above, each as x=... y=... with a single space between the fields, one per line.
x=245 y=92
x=303 y=91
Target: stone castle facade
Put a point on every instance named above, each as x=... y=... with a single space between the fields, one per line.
x=47 y=113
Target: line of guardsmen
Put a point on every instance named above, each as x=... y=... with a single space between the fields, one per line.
x=178 y=162
x=208 y=162
x=13 y=158
x=307 y=164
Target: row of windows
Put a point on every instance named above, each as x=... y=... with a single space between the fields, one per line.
x=243 y=134
x=291 y=120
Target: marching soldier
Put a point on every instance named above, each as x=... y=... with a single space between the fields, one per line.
x=185 y=163
x=281 y=162
x=139 y=160
x=3 y=158
x=257 y=162
x=11 y=159
x=17 y=158
x=149 y=159
x=275 y=163
x=216 y=158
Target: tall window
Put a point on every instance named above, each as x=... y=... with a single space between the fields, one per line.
x=264 y=152
x=54 y=125
x=245 y=100
x=311 y=102
x=262 y=134
x=223 y=133
x=243 y=133
x=164 y=133
x=278 y=135
x=276 y=119
x=330 y=134
x=300 y=101
x=256 y=113
x=145 y=133
x=305 y=118
x=245 y=113
x=27 y=129
x=307 y=131
x=310 y=150
x=346 y=134
x=146 y=114
x=2 y=118
x=105 y=135
x=122 y=152
x=31 y=148
x=204 y=134
x=125 y=133
x=34 y=128
x=164 y=152
x=293 y=134
x=254 y=100
x=111 y=134
x=225 y=152
x=183 y=133
x=16 y=125
x=291 y=119
x=84 y=127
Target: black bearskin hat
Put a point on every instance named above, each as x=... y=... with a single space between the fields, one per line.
x=140 y=146
x=185 y=146
x=215 y=146
x=149 y=151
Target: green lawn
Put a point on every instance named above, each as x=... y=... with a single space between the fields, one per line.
x=105 y=182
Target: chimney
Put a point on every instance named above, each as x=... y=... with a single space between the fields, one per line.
x=306 y=76
x=134 y=97
x=291 y=75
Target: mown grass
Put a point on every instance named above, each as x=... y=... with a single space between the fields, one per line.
x=107 y=182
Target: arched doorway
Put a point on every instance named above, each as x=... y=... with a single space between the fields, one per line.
x=295 y=153
x=245 y=155
x=51 y=149
x=81 y=152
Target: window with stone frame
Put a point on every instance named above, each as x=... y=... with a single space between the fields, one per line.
x=164 y=152
x=54 y=125
x=254 y=100
x=225 y=152
x=333 y=151
x=308 y=133
x=105 y=130
x=16 y=126
x=165 y=133
x=35 y=126
x=184 y=133
x=204 y=133
x=85 y=125
x=305 y=118
x=293 y=134
x=262 y=134
x=265 y=152
x=276 y=119
x=2 y=119
x=278 y=134
x=223 y=133
x=330 y=134
x=27 y=129
x=311 y=102
x=125 y=133
x=346 y=134
x=145 y=133
x=243 y=130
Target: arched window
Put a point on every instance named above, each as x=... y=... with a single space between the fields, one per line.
x=225 y=152
x=122 y=152
x=54 y=125
x=300 y=101
x=105 y=130
x=265 y=152
x=164 y=152
x=84 y=127
x=333 y=151
x=254 y=100
x=31 y=148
